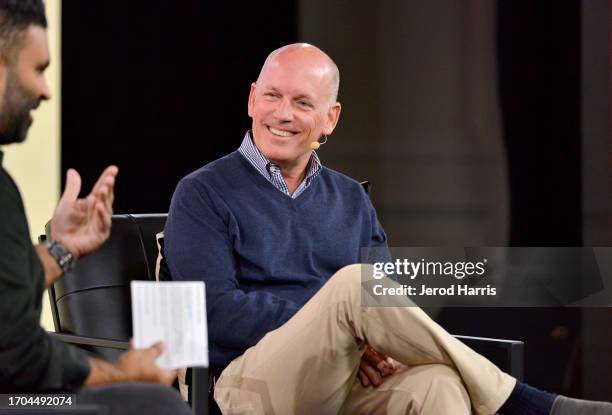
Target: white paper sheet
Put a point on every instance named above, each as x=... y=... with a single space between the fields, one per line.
x=175 y=313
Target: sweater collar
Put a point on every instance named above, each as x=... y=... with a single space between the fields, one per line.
x=266 y=167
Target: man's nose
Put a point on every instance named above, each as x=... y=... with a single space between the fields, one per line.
x=284 y=111
x=45 y=92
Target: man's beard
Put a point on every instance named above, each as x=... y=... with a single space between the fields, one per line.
x=15 y=111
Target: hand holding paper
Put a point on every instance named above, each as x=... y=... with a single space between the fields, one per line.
x=174 y=313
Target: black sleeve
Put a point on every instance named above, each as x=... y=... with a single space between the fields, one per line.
x=30 y=360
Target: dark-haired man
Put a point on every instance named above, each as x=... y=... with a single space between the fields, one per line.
x=275 y=236
x=31 y=360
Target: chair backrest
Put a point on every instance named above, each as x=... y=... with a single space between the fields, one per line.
x=94 y=299
x=367 y=187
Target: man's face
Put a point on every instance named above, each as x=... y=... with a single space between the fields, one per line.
x=291 y=107
x=23 y=85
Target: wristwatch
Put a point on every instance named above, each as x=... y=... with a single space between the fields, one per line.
x=62 y=256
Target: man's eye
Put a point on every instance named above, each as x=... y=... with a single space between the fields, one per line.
x=304 y=104
x=270 y=94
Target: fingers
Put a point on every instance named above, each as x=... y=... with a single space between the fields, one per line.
x=157 y=349
x=379 y=361
x=373 y=367
x=371 y=373
x=73 y=185
x=102 y=191
x=103 y=194
x=373 y=357
x=107 y=194
x=104 y=219
x=104 y=187
x=163 y=376
x=109 y=174
x=392 y=363
x=108 y=191
x=363 y=378
x=140 y=365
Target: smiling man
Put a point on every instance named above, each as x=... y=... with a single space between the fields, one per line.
x=292 y=108
x=273 y=234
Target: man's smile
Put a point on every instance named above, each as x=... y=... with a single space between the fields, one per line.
x=281 y=133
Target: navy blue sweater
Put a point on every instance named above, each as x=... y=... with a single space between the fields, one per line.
x=261 y=253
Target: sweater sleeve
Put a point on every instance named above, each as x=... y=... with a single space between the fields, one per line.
x=30 y=360
x=198 y=247
x=376 y=239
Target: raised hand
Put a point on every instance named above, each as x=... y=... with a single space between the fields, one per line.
x=82 y=225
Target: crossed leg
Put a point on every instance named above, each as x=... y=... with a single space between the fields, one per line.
x=309 y=364
x=423 y=389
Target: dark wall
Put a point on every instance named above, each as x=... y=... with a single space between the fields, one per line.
x=160 y=88
x=540 y=89
x=539 y=55
x=539 y=76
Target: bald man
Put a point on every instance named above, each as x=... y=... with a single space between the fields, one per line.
x=273 y=235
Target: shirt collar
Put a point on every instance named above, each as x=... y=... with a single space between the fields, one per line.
x=250 y=151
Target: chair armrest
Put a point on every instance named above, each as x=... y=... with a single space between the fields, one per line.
x=508 y=355
x=90 y=341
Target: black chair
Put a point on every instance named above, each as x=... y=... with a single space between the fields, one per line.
x=91 y=305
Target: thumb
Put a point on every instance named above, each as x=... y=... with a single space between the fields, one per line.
x=157 y=348
x=73 y=185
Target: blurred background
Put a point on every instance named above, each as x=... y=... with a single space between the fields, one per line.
x=479 y=123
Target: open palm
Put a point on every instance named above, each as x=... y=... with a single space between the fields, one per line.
x=82 y=225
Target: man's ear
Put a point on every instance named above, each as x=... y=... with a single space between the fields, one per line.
x=251 y=104
x=332 y=118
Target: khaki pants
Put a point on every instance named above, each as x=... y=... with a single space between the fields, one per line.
x=309 y=364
